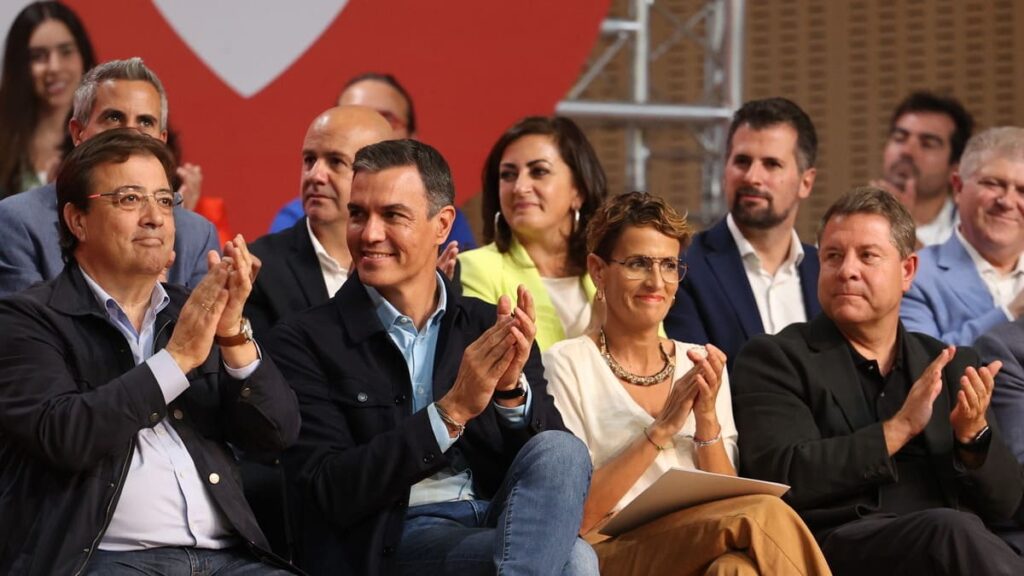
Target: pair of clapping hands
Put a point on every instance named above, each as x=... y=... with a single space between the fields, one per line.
x=494 y=361
x=214 y=309
x=968 y=417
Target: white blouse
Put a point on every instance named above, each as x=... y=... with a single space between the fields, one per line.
x=596 y=407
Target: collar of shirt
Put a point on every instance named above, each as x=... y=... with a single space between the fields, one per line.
x=985 y=268
x=871 y=366
x=157 y=302
x=392 y=319
x=939 y=230
x=326 y=261
x=747 y=252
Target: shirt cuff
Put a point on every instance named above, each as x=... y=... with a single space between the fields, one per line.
x=169 y=377
x=444 y=441
x=517 y=416
x=247 y=370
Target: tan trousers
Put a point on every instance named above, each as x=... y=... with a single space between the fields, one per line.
x=737 y=536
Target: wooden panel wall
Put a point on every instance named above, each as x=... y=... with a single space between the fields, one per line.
x=847 y=63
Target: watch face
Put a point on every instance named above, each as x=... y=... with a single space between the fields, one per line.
x=246 y=329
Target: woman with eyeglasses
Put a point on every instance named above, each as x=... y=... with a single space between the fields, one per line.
x=46 y=54
x=542 y=182
x=644 y=404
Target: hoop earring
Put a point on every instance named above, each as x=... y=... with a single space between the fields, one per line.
x=575 y=220
x=497 y=218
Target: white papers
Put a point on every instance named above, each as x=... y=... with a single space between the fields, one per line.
x=677 y=489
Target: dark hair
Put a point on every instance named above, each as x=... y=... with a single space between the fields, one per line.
x=636 y=210
x=74 y=181
x=19 y=110
x=432 y=167
x=871 y=200
x=922 y=101
x=390 y=80
x=761 y=114
x=587 y=175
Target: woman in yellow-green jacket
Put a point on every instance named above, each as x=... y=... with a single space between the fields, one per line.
x=542 y=182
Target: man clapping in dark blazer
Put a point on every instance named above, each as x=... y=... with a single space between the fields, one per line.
x=429 y=444
x=885 y=435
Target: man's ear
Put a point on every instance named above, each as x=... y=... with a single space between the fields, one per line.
x=908 y=270
x=75 y=130
x=445 y=218
x=807 y=183
x=74 y=219
x=958 y=184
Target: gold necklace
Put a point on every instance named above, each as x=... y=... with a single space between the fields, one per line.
x=628 y=376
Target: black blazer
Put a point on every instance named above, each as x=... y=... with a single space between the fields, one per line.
x=715 y=304
x=72 y=401
x=290 y=280
x=803 y=420
x=361 y=448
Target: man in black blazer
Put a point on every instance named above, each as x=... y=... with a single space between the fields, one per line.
x=426 y=420
x=750 y=274
x=885 y=436
x=305 y=264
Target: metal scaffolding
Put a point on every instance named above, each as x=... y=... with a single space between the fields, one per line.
x=721 y=40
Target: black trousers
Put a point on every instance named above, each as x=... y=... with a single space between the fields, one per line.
x=935 y=542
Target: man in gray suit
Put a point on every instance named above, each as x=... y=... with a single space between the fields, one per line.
x=116 y=94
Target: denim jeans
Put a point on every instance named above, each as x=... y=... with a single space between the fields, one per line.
x=529 y=527
x=179 y=562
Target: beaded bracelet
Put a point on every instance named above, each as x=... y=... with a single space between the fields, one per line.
x=705 y=443
x=647 y=434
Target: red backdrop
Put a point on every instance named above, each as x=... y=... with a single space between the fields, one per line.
x=472 y=66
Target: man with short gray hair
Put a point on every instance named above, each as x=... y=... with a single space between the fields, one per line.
x=975 y=280
x=115 y=94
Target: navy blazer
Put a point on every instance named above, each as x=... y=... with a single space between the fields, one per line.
x=715 y=303
x=290 y=280
x=361 y=447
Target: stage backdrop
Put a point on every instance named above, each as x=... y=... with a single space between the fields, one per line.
x=245 y=77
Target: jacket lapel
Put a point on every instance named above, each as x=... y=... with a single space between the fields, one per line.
x=305 y=265
x=937 y=434
x=961 y=273
x=836 y=364
x=809 y=270
x=723 y=258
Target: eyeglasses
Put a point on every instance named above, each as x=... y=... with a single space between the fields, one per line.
x=641 y=267
x=131 y=198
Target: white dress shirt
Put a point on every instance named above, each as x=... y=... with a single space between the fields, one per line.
x=941 y=228
x=780 y=300
x=334 y=274
x=1002 y=287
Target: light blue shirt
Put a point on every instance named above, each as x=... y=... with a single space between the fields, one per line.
x=419 y=348
x=163 y=501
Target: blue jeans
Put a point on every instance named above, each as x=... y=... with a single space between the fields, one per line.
x=530 y=527
x=179 y=562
